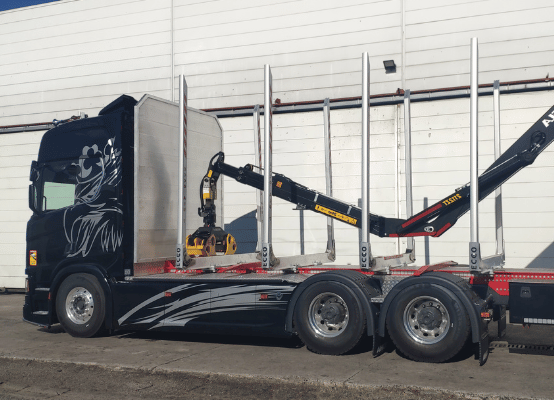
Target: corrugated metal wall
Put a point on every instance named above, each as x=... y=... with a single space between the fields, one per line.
x=16 y=153
x=515 y=41
x=74 y=55
x=78 y=55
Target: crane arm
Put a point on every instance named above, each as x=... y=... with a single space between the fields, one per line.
x=432 y=221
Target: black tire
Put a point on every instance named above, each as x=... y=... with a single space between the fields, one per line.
x=428 y=323
x=81 y=305
x=329 y=318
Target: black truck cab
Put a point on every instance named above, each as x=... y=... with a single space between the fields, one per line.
x=80 y=210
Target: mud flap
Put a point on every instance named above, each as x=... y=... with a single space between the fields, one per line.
x=484 y=348
x=379 y=344
x=501 y=321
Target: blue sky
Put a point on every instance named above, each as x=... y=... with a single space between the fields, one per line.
x=11 y=4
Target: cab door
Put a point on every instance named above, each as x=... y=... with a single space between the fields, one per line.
x=53 y=193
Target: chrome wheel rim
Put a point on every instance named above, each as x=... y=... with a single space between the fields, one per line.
x=426 y=320
x=328 y=315
x=79 y=305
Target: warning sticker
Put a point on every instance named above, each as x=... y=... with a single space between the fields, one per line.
x=33 y=257
x=336 y=215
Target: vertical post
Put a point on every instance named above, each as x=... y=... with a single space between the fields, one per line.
x=408 y=167
x=397 y=199
x=258 y=156
x=328 y=171
x=182 y=258
x=474 y=247
x=302 y=239
x=267 y=251
x=365 y=249
x=426 y=247
x=497 y=152
x=172 y=85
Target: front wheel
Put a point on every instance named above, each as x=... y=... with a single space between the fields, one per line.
x=329 y=318
x=428 y=323
x=81 y=305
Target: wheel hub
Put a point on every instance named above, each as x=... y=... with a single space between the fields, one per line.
x=79 y=305
x=426 y=320
x=328 y=315
x=429 y=317
x=333 y=312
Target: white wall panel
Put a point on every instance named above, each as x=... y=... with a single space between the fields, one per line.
x=515 y=41
x=293 y=61
x=70 y=56
x=86 y=46
x=298 y=11
x=221 y=46
x=286 y=27
x=14 y=209
x=327 y=37
x=81 y=41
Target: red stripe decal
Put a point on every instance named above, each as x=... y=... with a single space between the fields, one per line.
x=441 y=230
x=434 y=267
x=411 y=234
x=423 y=214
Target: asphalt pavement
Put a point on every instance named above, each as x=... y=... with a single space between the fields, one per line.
x=40 y=363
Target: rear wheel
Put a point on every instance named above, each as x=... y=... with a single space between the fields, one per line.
x=81 y=305
x=428 y=323
x=329 y=318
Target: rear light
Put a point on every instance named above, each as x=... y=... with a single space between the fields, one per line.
x=486 y=315
x=26 y=285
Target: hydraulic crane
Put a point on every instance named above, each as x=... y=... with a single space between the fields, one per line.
x=433 y=221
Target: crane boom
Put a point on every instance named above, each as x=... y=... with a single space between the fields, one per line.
x=432 y=221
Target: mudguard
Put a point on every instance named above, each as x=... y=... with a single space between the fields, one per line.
x=473 y=304
x=81 y=269
x=362 y=285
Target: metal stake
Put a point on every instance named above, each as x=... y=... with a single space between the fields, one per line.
x=497 y=152
x=410 y=245
x=474 y=246
x=365 y=247
x=328 y=172
x=182 y=258
x=267 y=250
x=259 y=194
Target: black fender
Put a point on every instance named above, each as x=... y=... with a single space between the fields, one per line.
x=91 y=269
x=461 y=289
x=362 y=285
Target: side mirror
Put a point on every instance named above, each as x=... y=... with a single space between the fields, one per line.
x=34 y=171
x=32 y=199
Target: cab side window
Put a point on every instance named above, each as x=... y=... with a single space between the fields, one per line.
x=57 y=195
x=59 y=183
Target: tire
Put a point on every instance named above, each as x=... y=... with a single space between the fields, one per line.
x=329 y=318
x=81 y=305
x=428 y=323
